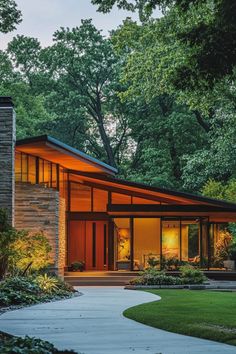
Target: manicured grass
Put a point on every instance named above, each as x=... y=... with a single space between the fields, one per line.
x=203 y=314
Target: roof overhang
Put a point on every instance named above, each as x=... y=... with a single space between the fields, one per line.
x=55 y=151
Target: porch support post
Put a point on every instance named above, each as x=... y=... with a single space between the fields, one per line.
x=131 y=244
x=110 y=245
x=180 y=239
x=208 y=246
x=160 y=243
x=200 y=242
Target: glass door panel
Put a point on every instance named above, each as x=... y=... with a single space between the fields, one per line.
x=123 y=247
x=171 y=239
x=146 y=242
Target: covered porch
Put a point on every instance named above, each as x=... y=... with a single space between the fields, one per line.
x=127 y=226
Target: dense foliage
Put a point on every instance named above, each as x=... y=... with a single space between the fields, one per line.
x=10 y=16
x=155 y=98
x=18 y=345
x=21 y=251
x=32 y=290
x=152 y=276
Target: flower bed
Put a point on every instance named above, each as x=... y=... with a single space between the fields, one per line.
x=151 y=276
x=32 y=289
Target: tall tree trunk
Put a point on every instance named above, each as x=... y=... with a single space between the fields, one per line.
x=106 y=142
x=202 y=122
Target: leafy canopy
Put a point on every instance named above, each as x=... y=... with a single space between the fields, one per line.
x=10 y=16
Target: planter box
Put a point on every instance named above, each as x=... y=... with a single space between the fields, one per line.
x=229 y=265
x=123 y=265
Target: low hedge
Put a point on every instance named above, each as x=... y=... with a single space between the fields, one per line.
x=152 y=276
x=33 y=289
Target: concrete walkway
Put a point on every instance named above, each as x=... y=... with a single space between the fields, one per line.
x=93 y=324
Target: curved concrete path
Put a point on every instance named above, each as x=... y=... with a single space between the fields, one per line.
x=93 y=324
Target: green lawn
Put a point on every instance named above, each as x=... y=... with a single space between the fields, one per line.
x=204 y=314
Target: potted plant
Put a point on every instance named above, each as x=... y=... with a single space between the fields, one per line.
x=77 y=266
x=152 y=261
x=224 y=249
x=232 y=256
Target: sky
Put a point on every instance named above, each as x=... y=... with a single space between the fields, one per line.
x=41 y=18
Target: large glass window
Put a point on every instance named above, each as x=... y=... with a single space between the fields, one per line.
x=24 y=168
x=29 y=169
x=18 y=167
x=186 y=240
x=122 y=243
x=171 y=239
x=32 y=169
x=146 y=242
x=191 y=241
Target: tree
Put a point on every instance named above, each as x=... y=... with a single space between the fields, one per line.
x=10 y=16
x=85 y=70
x=164 y=133
x=24 y=53
x=22 y=78
x=187 y=52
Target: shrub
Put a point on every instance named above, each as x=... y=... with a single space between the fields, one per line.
x=28 y=345
x=8 y=236
x=188 y=275
x=154 y=277
x=191 y=275
x=152 y=261
x=170 y=263
x=31 y=250
x=20 y=250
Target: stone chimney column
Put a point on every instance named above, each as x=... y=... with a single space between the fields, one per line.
x=7 y=156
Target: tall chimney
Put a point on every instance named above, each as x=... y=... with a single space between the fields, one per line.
x=7 y=156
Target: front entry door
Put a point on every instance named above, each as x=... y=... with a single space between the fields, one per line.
x=88 y=242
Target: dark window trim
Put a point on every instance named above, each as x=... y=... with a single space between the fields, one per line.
x=94 y=246
x=105 y=244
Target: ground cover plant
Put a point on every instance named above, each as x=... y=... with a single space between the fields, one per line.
x=32 y=289
x=11 y=344
x=202 y=314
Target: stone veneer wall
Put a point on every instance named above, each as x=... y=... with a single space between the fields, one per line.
x=7 y=154
x=61 y=244
x=41 y=209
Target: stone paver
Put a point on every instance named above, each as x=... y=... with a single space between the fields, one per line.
x=94 y=324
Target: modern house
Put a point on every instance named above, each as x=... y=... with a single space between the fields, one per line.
x=91 y=215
